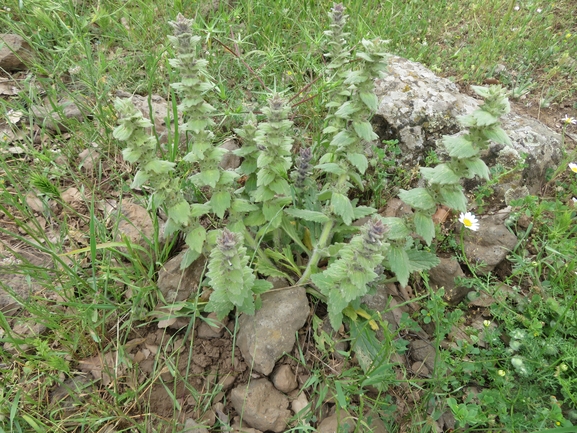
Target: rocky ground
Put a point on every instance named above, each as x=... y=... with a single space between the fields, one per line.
x=262 y=367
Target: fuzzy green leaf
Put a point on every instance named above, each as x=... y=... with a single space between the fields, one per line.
x=219 y=304
x=265 y=177
x=220 y=202
x=400 y=265
x=356 y=178
x=477 y=167
x=336 y=305
x=139 y=179
x=180 y=212
x=453 y=197
x=132 y=155
x=209 y=177
x=346 y=110
x=269 y=270
x=189 y=257
x=365 y=131
x=343 y=139
x=363 y=211
x=255 y=218
x=261 y=286
x=241 y=205
x=441 y=175
x=159 y=166
x=422 y=260
x=497 y=134
x=397 y=228
x=424 y=226
x=359 y=161
x=123 y=131
x=460 y=147
x=484 y=118
x=342 y=207
x=370 y=100
x=331 y=167
x=481 y=91
x=271 y=210
x=199 y=209
x=418 y=198
x=280 y=186
x=308 y=215
x=195 y=239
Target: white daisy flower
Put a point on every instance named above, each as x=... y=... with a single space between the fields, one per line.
x=469 y=220
x=569 y=120
x=573 y=167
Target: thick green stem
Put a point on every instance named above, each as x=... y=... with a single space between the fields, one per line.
x=317 y=252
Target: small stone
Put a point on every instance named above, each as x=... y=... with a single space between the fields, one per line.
x=191 y=426
x=423 y=351
x=73 y=198
x=299 y=403
x=71 y=393
x=88 y=159
x=134 y=224
x=262 y=405
x=177 y=285
x=34 y=203
x=226 y=382
x=230 y=161
x=264 y=337
x=284 y=379
x=211 y=327
x=420 y=368
x=444 y=275
x=14 y=52
x=340 y=421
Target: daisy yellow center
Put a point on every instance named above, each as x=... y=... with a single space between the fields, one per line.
x=467 y=222
x=574 y=168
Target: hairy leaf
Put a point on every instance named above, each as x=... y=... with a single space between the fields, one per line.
x=400 y=265
x=424 y=226
x=308 y=215
x=220 y=202
x=342 y=207
x=359 y=161
x=418 y=198
x=365 y=131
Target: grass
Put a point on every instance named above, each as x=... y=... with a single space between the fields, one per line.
x=91 y=296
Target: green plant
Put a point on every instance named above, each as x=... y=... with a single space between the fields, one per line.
x=269 y=208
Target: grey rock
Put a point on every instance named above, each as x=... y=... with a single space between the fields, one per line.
x=212 y=328
x=341 y=422
x=230 y=161
x=418 y=108
x=376 y=423
x=134 y=223
x=284 y=379
x=299 y=403
x=444 y=274
x=89 y=159
x=262 y=406
x=55 y=118
x=423 y=351
x=71 y=393
x=191 y=426
x=16 y=286
x=491 y=243
x=14 y=52
x=386 y=300
x=177 y=285
x=266 y=336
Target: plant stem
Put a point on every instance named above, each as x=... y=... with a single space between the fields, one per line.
x=317 y=252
